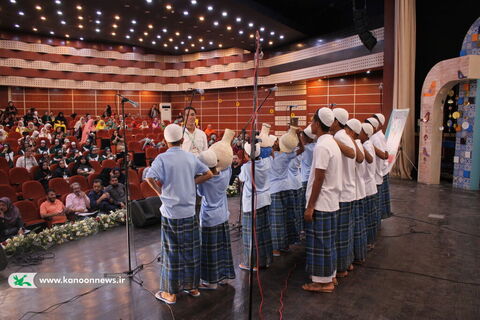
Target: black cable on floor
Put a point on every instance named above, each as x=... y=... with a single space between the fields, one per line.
x=411 y=231
x=436 y=225
x=421 y=274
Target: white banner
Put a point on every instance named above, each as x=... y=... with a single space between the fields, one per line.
x=394 y=133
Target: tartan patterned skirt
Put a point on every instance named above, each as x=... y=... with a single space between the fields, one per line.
x=180 y=255
x=216 y=260
x=320 y=244
x=370 y=210
x=263 y=234
x=293 y=216
x=359 y=231
x=344 y=236
x=281 y=213
x=386 y=211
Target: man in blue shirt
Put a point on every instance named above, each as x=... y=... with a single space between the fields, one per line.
x=173 y=175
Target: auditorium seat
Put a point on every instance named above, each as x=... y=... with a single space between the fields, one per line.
x=18 y=176
x=96 y=166
x=70 y=167
x=151 y=153
x=9 y=192
x=91 y=178
x=81 y=180
x=134 y=192
x=33 y=190
x=59 y=185
x=135 y=146
x=147 y=191
x=34 y=170
x=133 y=177
x=4 y=164
x=4 y=177
x=109 y=163
x=29 y=213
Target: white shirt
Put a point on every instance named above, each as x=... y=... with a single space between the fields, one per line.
x=370 y=184
x=377 y=142
x=327 y=156
x=196 y=142
x=383 y=140
x=306 y=158
x=294 y=174
x=262 y=184
x=26 y=163
x=279 y=171
x=360 y=173
x=348 y=189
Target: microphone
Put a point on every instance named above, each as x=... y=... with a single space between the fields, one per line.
x=272 y=89
x=199 y=91
x=125 y=99
x=331 y=105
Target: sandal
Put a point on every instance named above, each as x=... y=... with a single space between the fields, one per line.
x=350 y=268
x=194 y=292
x=159 y=296
x=342 y=274
x=207 y=286
x=246 y=268
x=318 y=287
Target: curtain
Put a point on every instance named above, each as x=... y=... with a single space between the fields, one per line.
x=404 y=83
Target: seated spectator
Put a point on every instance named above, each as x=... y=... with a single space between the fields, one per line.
x=100 y=125
x=11 y=223
x=76 y=202
x=107 y=155
x=209 y=131
x=116 y=139
x=87 y=146
x=8 y=154
x=144 y=125
x=116 y=190
x=77 y=128
x=74 y=157
x=21 y=127
x=3 y=134
x=59 y=133
x=117 y=172
x=56 y=146
x=93 y=155
x=110 y=124
x=46 y=118
x=53 y=209
x=59 y=156
x=60 y=122
x=155 y=123
x=120 y=151
x=61 y=171
x=105 y=176
x=236 y=168
x=82 y=167
x=42 y=148
x=99 y=199
x=43 y=174
x=72 y=148
x=27 y=161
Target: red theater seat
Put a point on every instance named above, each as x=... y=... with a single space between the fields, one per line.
x=18 y=176
x=29 y=212
x=81 y=180
x=147 y=191
x=59 y=185
x=9 y=192
x=135 y=192
x=33 y=190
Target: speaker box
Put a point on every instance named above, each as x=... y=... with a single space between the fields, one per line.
x=146 y=212
x=3 y=259
x=139 y=159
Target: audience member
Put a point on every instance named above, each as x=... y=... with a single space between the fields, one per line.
x=76 y=202
x=11 y=223
x=61 y=171
x=236 y=168
x=82 y=167
x=43 y=174
x=27 y=161
x=99 y=199
x=116 y=190
x=53 y=209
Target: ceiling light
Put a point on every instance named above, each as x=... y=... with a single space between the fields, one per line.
x=67 y=36
x=117 y=17
x=58 y=2
x=261 y=39
x=251 y=35
x=115 y=26
x=170 y=39
x=159 y=36
x=165 y=45
x=192 y=45
x=80 y=18
x=194 y=2
x=140 y=39
x=185 y=13
x=203 y=48
x=182 y=42
x=60 y=13
x=189 y=37
x=215 y=23
x=150 y=26
x=210 y=42
x=200 y=40
x=168 y=7
x=240 y=31
x=238 y=19
x=154 y=42
x=262 y=29
x=270 y=42
x=224 y=13
x=209 y=8
x=164 y=30
x=282 y=36
x=97 y=21
x=176 y=48
x=97 y=30
x=229 y=28
x=134 y=22
x=13 y=1
x=368 y=71
x=81 y=38
x=80 y=26
x=145 y=33
x=127 y=36
x=220 y=45
x=132 y=30
x=38 y=7
x=177 y=33
x=79 y=7
x=186 y=50
x=149 y=1
x=272 y=33
x=99 y=13
x=52 y=33
x=250 y=24
x=21 y=13
x=63 y=22
x=43 y=18
x=16 y=25
x=34 y=29
x=201 y=18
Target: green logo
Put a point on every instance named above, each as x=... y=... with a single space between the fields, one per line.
x=20 y=281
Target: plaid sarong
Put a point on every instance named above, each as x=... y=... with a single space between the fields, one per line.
x=386 y=211
x=180 y=255
x=293 y=214
x=216 y=260
x=344 y=236
x=320 y=244
x=263 y=234
x=359 y=231
x=370 y=209
x=279 y=209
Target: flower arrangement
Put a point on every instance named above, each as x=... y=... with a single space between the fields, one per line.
x=233 y=189
x=59 y=234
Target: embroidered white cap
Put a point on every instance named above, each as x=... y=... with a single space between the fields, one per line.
x=209 y=158
x=368 y=129
x=248 y=149
x=173 y=133
x=374 y=122
x=326 y=116
x=308 y=132
x=341 y=115
x=380 y=117
x=355 y=125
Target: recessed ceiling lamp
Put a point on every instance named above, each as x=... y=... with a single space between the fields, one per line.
x=99 y=13
x=210 y=8
x=117 y=17
x=16 y=25
x=21 y=13
x=79 y=7
x=38 y=7
x=215 y=23
x=168 y=7
x=238 y=19
x=224 y=14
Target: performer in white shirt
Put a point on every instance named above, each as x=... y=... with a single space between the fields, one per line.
x=194 y=139
x=385 y=196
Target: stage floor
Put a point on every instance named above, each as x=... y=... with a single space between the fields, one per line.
x=368 y=293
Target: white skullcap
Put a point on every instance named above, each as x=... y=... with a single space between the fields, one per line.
x=308 y=132
x=355 y=125
x=209 y=158
x=368 y=129
x=326 y=116
x=248 y=149
x=173 y=133
x=380 y=117
x=374 y=122
x=341 y=115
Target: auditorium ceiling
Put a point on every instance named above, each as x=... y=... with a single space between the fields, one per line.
x=183 y=26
